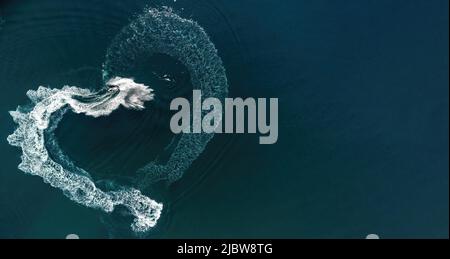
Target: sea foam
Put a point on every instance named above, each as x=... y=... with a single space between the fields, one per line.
x=34 y=123
x=162 y=31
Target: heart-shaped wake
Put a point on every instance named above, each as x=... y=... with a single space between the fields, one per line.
x=154 y=31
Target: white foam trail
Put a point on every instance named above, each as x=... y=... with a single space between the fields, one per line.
x=29 y=136
x=163 y=31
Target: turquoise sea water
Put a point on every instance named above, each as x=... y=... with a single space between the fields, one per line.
x=363 y=119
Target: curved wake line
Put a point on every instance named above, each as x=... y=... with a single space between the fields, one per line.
x=34 y=124
x=163 y=31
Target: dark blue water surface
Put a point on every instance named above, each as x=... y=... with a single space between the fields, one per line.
x=363 y=119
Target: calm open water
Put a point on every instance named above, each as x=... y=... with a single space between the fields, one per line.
x=363 y=120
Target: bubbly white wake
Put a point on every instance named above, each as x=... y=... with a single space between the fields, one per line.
x=30 y=137
x=163 y=31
